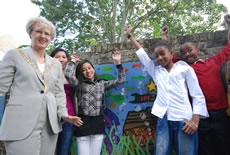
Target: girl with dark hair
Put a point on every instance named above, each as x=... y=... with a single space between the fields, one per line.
x=89 y=99
x=65 y=137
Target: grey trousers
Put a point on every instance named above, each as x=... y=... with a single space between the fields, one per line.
x=41 y=141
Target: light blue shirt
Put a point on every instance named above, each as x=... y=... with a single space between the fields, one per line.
x=172 y=90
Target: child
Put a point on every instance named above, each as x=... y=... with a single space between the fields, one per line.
x=90 y=96
x=177 y=120
x=213 y=131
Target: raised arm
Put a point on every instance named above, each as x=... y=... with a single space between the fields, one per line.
x=164 y=32
x=117 y=57
x=121 y=73
x=224 y=54
x=70 y=71
x=227 y=20
x=141 y=54
x=132 y=39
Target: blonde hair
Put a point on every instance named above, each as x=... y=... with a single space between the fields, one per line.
x=44 y=23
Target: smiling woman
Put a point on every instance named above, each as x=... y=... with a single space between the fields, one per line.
x=37 y=95
x=65 y=137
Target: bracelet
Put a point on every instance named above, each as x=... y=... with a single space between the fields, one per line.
x=129 y=36
x=194 y=124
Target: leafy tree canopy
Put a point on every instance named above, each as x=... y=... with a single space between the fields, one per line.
x=82 y=23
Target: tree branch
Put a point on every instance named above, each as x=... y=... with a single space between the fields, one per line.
x=124 y=18
x=114 y=9
x=100 y=14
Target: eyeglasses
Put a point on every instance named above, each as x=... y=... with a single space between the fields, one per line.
x=42 y=32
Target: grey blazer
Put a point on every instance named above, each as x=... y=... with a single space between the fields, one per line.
x=27 y=94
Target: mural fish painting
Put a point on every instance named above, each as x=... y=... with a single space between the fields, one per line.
x=136 y=65
x=143 y=98
x=117 y=98
x=138 y=77
x=132 y=88
x=106 y=77
x=106 y=69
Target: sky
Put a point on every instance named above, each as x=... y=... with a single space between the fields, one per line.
x=14 y=14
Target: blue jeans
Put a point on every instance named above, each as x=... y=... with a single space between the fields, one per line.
x=170 y=135
x=214 y=134
x=65 y=139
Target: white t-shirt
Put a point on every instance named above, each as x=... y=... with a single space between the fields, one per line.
x=41 y=67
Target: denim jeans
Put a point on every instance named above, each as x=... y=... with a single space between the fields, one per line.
x=170 y=136
x=65 y=139
x=214 y=134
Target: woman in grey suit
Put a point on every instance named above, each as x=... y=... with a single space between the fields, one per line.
x=37 y=105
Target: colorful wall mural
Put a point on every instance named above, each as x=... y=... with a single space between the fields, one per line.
x=130 y=126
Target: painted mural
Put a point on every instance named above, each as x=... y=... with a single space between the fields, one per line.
x=130 y=126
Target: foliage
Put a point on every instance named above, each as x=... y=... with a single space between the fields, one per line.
x=23 y=46
x=50 y=48
x=83 y=23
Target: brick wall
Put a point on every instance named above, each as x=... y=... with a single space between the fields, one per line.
x=209 y=43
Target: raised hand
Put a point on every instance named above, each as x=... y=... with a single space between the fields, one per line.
x=116 y=57
x=128 y=30
x=74 y=58
x=164 y=32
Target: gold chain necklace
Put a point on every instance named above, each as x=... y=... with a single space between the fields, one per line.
x=36 y=68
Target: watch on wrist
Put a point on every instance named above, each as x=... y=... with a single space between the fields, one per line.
x=129 y=36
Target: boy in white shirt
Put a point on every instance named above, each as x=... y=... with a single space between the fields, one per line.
x=177 y=119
